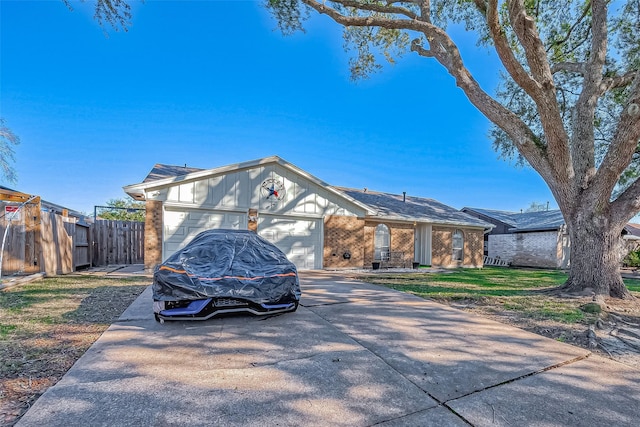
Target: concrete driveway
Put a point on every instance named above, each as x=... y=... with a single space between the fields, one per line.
x=353 y=354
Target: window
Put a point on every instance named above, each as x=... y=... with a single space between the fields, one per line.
x=381 y=243
x=458 y=245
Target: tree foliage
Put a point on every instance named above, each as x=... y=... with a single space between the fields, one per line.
x=114 y=13
x=7 y=140
x=126 y=209
x=569 y=79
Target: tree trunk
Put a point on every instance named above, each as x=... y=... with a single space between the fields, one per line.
x=595 y=256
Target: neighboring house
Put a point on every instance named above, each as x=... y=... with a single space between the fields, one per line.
x=316 y=225
x=535 y=239
x=529 y=239
x=631 y=236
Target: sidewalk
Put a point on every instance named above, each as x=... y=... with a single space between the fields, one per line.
x=353 y=354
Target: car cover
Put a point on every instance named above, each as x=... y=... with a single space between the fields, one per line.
x=227 y=264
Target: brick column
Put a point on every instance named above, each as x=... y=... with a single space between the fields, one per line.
x=153 y=234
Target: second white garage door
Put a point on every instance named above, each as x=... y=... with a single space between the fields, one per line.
x=299 y=238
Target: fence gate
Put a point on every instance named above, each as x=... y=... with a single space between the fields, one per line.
x=118 y=242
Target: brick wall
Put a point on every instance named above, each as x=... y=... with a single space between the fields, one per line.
x=343 y=234
x=473 y=248
x=153 y=234
x=401 y=236
x=442 y=247
x=537 y=249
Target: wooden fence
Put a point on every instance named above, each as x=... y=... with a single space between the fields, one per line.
x=57 y=235
x=118 y=242
x=53 y=244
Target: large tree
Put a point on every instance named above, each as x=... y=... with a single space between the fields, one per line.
x=569 y=104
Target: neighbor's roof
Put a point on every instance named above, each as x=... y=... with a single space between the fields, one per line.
x=633 y=230
x=394 y=206
x=525 y=221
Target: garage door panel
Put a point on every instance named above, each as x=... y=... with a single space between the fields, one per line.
x=298 y=238
x=181 y=226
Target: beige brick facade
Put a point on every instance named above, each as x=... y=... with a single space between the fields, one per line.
x=153 y=234
x=401 y=240
x=343 y=234
x=442 y=247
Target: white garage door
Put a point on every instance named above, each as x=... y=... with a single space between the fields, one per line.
x=182 y=225
x=299 y=238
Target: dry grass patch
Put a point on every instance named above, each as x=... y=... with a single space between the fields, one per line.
x=46 y=325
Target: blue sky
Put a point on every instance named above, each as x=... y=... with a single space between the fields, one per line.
x=211 y=83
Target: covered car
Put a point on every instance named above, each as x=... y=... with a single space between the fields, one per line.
x=225 y=271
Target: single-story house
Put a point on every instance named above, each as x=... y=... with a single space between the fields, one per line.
x=317 y=225
x=631 y=236
x=527 y=239
x=533 y=239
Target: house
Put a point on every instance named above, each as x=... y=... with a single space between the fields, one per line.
x=534 y=239
x=631 y=237
x=526 y=239
x=317 y=225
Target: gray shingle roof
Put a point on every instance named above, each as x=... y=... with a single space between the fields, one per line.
x=526 y=221
x=161 y=171
x=412 y=208
x=633 y=229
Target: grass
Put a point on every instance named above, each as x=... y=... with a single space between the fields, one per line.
x=46 y=325
x=504 y=289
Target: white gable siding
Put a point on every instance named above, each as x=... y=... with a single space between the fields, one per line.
x=240 y=190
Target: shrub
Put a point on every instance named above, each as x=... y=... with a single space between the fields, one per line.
x=632 y=259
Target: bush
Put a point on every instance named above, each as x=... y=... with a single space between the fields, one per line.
x=632 y=259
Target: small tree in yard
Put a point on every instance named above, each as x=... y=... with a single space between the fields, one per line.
x=123 y=210
x=569 y=104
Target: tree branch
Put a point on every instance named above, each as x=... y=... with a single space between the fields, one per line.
x=582 y=136
x=379 y=8
x=627 y=204
x=508 y=59
x=624 y=144
x=444 y=50
x=571 y=67
x=547 y=104
x=614 y=82
x=607 y=82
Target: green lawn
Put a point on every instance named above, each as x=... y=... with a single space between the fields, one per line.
x=503 y=288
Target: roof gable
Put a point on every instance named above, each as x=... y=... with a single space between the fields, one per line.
x=164 y=176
